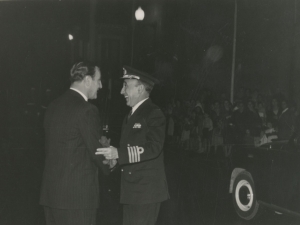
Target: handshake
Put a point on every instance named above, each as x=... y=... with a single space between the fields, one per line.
x=109 y=152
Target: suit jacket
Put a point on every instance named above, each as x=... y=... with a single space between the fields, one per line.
x=286 y=125
x=143 y=178
x=72 y=130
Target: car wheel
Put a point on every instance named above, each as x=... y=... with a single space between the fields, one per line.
x=244 y=197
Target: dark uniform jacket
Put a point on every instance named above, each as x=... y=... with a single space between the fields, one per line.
x=143 y=178
x=72 y=130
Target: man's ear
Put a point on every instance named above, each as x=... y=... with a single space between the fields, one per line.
x=141 y=88
x=87 y=81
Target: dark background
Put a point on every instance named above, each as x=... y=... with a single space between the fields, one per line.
x=183 y=42
x=187 y=45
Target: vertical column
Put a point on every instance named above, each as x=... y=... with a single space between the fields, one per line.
x=233 y=54
x=293 y=46
x=92 y=31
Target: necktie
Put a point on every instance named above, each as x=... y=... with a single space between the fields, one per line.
x=129 y=114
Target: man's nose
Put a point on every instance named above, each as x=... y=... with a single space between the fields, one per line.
x=122 y=91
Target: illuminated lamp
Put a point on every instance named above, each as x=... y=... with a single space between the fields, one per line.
x=139 y=14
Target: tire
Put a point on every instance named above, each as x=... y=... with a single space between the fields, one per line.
x=244 y=197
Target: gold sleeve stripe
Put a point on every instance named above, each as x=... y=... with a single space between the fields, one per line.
x=135 y=154
x=129 y=154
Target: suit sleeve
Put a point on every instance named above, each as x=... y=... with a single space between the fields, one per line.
x=153 y=136
x=91 y=131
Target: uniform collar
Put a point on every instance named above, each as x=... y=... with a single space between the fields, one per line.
x=137 y=105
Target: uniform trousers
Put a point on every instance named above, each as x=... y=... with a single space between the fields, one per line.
x=145 y=214
x=70 y=216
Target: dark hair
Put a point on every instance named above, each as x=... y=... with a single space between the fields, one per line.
x=148 y=87
x=82 y=69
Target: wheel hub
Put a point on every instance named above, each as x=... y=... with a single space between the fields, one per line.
x=244 y=195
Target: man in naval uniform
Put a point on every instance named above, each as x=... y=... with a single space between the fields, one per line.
x=140 y=155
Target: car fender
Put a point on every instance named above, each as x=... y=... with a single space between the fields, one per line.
x=234 y=174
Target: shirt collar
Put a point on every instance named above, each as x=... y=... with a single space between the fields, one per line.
x=137 y=105
x=85 y=98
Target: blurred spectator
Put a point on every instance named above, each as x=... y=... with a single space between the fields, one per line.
x=248 y=139
x=216 y=114
x=199 y=116
x=254 y=123
x=260 y=98
x=279 y=95
x=207 y=132
x=193 y=132
x=199 y=107
x=262 y=112
x=267 y=135
x=270 y=132
x=274 y=112
x=228 y=128
x=185 y=135
x=286 y=122
x=217 y=134
x=239 y=120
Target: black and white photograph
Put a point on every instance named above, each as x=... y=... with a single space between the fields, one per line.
x=150 y=112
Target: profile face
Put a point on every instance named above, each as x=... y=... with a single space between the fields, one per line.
x=274 y=102
x=130 y=90
x=95 y=84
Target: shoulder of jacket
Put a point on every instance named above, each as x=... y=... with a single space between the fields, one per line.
x=152 y=108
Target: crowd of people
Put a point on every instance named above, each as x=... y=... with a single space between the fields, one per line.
x=199 y=124
x=211 y=122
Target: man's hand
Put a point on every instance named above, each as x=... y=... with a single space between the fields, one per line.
x=109 y=153
x=111 y=162
x=104 y=141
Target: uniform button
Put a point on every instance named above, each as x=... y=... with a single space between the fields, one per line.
x=122 y=170
x=129 y=172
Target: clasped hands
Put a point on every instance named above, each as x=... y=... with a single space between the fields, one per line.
x=109 y=152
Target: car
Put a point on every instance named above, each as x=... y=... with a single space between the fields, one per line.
x=266 y=176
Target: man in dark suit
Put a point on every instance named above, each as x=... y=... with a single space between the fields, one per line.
x=143 y=179
x=286 y=122
x=70 y=187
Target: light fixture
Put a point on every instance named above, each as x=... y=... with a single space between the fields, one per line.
x=71 y=37
x=139 y=14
